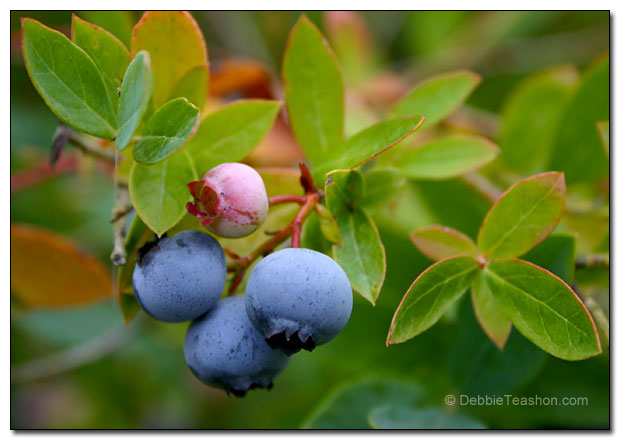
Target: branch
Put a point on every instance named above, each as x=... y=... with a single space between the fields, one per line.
x=293 y=229
x=592 y=260
x=91 y=148
x=599 y=316
x=122 y=205
x=74 y=357
x=61 y=136
x=277 y=200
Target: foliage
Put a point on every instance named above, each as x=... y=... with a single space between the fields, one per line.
x=393 y=155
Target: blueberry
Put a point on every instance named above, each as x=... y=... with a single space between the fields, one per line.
x=225 y=351
x=230 y=200
x=298 y=298
x=179 y=278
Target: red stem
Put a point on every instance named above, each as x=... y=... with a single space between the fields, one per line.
x=276 y=200
x=311 y=200
x=306 y=179
x=293 y=229
x=231 y=254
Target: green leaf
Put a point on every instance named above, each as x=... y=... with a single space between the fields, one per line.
x=135 y=95
x=129 y=307
x=68 y=80
x=530 y=118
x=166 y=131
x=403 y=417
x=577 y=148
x=159 y=192
x=440 y=242
x=381 y=186
x=448 y=157
x=368 y=144
x=438 y=96
x=343 y=190
x=488 y=313
x=361 y=253
x=543 y=308
x=327 y=224
x=107 y=51
x=232 y=132
x=348 y=405
x=175 y=43
x=193 y=85
x=312 y=237
x=314 y=91
x=430 y=296
x=603 y=130
x=556 y=254
x=523 y=216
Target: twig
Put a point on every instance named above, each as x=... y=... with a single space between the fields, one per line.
x=277 y=200
x=61 y=136
x=293 y=229
x=120 y=212
x=311 y=201
x=306 y=179
x=122 y=200
x=599 y=316
x=592 y=260
x=231 y=254
x=91 y=148
x=74 y=357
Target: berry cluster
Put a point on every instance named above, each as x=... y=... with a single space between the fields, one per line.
x=295 y=298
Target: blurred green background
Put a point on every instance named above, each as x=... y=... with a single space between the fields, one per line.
x=82 y=368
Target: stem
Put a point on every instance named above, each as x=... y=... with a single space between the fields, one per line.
x=277 y=200
x=61 y=136
x=121 y=212
x=231 y=254
x=121 y=203
x=592 y=260
x=91 y=148
x=293 y=229
x=74 y=357
x=311 y=201
x=306 y=179
x=599 y=317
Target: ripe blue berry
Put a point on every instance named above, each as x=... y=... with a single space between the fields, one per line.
x=180 y=278
x=225 y=351
x=298 y=298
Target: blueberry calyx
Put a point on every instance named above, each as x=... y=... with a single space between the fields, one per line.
x=148 y=247
x=290 y=343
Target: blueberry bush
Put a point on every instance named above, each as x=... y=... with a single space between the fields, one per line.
x=350 y=220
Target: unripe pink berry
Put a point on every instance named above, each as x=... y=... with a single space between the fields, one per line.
x=230 y=200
